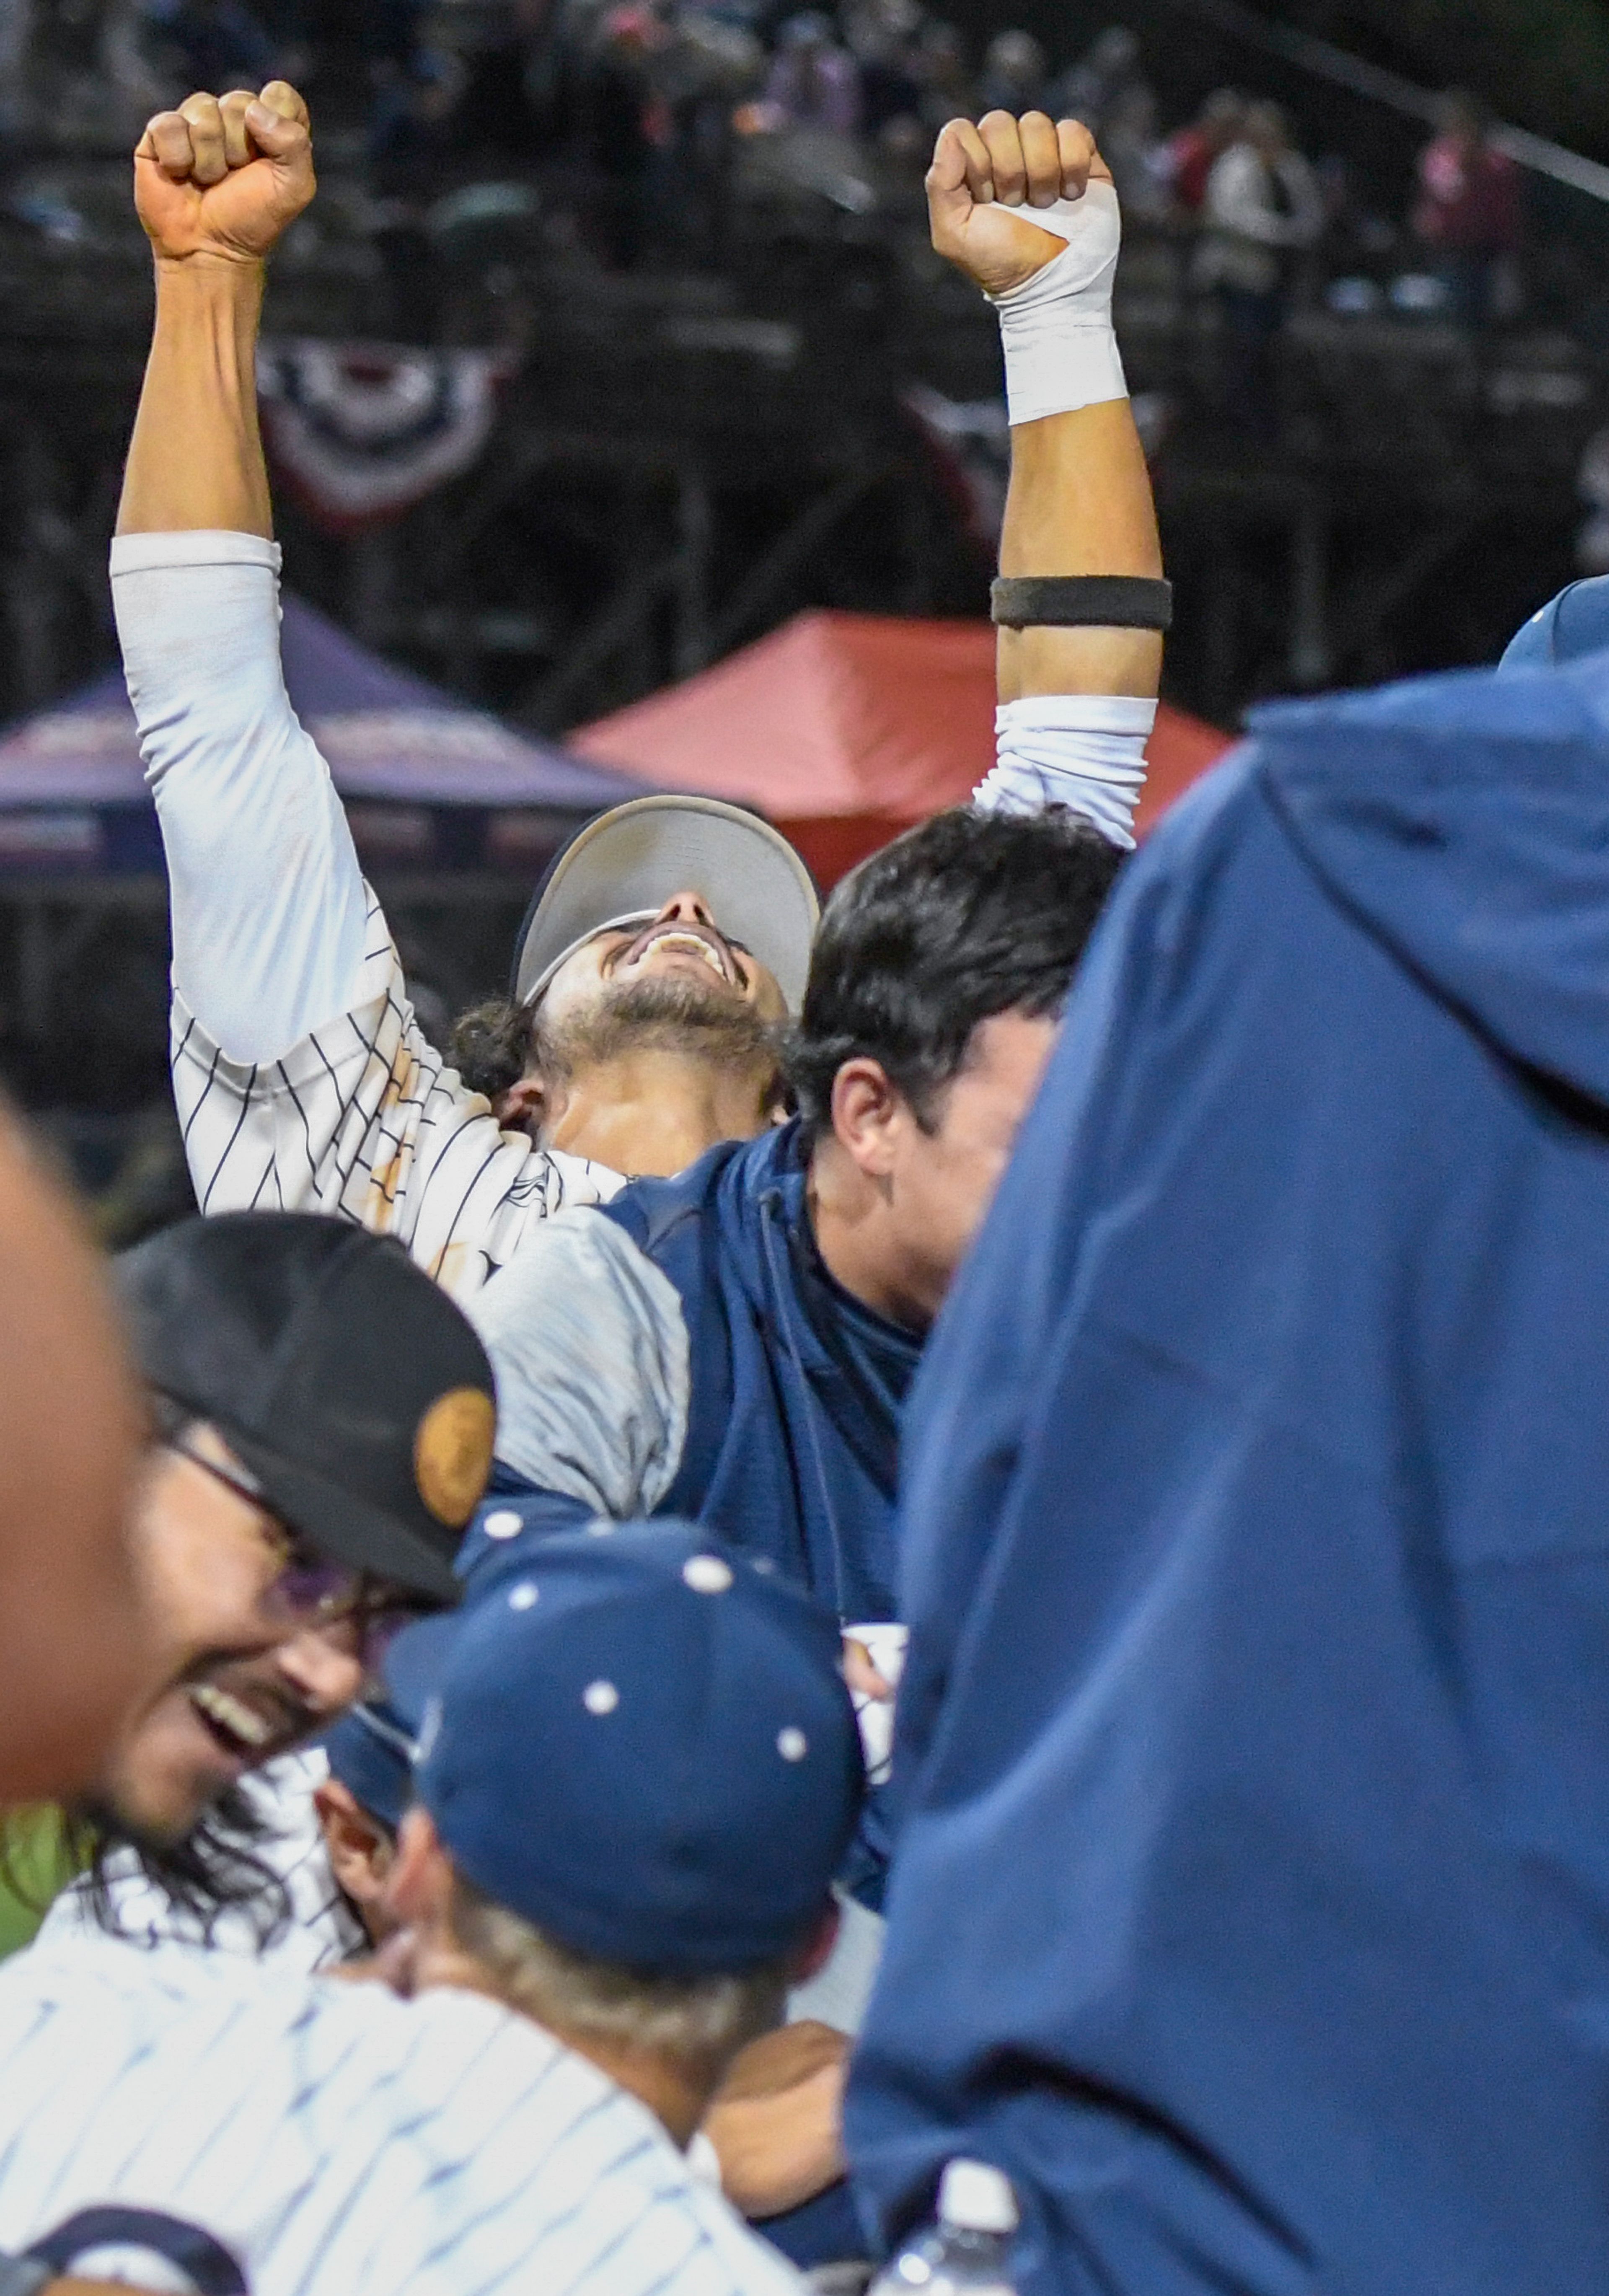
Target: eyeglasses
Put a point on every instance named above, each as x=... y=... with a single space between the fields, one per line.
x=310 y=1590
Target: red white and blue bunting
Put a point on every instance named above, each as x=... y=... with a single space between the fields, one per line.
x=362 y=431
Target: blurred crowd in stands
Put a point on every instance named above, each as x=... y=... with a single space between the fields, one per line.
x=644 y=122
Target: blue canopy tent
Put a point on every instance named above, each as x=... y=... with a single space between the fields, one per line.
x=431 y=786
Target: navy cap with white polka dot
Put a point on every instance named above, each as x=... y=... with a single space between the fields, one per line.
x=645 y=1746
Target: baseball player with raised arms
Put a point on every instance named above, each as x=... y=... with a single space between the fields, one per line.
x=191 y=2121
x=666 y=946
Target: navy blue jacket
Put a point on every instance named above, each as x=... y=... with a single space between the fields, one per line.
x=1251 y=1907
x=790 y=1389
x=794 y=1431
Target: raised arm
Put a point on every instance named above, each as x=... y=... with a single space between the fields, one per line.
x=216 y=183
x=301 y=1076
x=268 y=904
x=1076 y=703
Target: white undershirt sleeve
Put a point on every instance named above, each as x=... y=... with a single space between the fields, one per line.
x=589 y=1347
x=1084 y=751
x=267 y=899
x=302 y=1080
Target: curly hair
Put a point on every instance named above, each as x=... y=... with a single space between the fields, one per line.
x=493 y=1045
x=216 y=1868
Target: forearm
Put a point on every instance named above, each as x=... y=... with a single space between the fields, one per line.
x=268 y=908
x=1026 y=209
x=1077 y=705
x=1079 y=502
x=775 y=2122
x=195 y=461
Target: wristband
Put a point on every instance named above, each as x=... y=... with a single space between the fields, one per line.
x=1086 y=751
x=1070 y=601
x=1055 y=329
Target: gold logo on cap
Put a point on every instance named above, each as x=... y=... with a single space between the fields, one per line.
x=452 y=1454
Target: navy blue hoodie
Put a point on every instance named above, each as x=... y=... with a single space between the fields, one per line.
x=794 y=1428
x=1251 y=1907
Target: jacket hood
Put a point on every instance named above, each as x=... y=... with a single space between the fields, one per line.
x=1574 y=623
x=1465 y=820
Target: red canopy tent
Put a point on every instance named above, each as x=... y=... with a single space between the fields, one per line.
x=846 y=728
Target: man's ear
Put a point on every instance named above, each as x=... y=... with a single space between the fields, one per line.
x=525 y=1106
x=419 y=1887
x=816 y=1950
x=869 y=1115
x=360 y=1849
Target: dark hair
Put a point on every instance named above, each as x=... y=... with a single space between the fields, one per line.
x=971 y=914
x=492 y=1046
x=218 y=1867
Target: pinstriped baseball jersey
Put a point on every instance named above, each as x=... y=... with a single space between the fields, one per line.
x=302 y=1078
x=363 y=1117
x=340 y=2142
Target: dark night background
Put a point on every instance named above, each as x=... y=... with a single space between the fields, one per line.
x=709 y=342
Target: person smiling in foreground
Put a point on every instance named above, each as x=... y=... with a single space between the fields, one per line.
x=321 y=1424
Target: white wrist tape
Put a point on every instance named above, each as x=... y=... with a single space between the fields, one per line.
x=1083 y=751
x=1055 y=329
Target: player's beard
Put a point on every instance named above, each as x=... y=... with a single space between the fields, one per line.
x=664 y=1012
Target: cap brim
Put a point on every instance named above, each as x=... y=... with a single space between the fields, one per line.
x=415 y=1664
x=348 y=1529
x=373 y=1758
x=633 y=858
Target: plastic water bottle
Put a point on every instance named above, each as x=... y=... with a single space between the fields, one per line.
x=969 y=2249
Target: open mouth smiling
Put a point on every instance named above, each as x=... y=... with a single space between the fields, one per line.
x=239 y=1729
x=685 y=941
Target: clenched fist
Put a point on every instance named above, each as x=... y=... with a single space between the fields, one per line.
x=986 y=181
x=224 y=176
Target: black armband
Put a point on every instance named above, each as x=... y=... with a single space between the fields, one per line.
x=1110 y=601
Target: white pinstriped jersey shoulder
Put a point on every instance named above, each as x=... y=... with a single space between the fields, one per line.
x=363 y=1117
x=340 y=2142
x=303 y=1080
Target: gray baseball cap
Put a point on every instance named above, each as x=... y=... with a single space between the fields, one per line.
x=622 y=869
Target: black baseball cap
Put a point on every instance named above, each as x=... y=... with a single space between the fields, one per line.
x=343 y=1379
